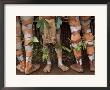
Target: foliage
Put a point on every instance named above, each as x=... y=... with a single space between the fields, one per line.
x=45 y=53
x=68 y=53
x=66 y=49
x=80 y=45
x=84 y=45
x=58 y=22
x=34 y=40
x=41 y=23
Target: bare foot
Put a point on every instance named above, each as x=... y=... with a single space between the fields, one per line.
x=92 y=66
x=32 y=69
x=20 y=68
x=77 y=67
x=63 y=67
x=47 y=68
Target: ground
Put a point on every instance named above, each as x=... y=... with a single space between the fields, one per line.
x=56 y=71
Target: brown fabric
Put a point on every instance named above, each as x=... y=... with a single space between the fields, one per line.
x=49 y=34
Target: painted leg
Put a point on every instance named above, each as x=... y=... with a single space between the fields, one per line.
x=59 y=55
x=75 y=28
x=90 y=52
x=27 y=30
x=19 y=53
x=85 y=24
x=92 y=62
x=78 y=66
x=49 y=37
x=90 y=49
x=47 y=68
x=88 y=37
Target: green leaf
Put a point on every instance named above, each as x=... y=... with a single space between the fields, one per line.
x=42 y=27
x=65 y=48
x=79 y=48
x=46 y=23
x=35 y=39
x=58 y=22
x=83 y=45
x=45 y=54
x=39 y=21
x=38 y=24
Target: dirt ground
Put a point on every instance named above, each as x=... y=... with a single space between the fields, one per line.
x=57 y=71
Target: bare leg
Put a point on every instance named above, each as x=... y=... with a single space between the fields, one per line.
x=48 y=37
x=19 y=53
x=60 y=64
x=78 y=66
x=27 y=22
x=88 y=37
x=59 y=55
x=47 y=68
x=76 y=38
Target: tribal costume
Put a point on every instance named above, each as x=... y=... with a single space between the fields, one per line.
x=52 y=35
x=76 y=25
x=25 y=63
